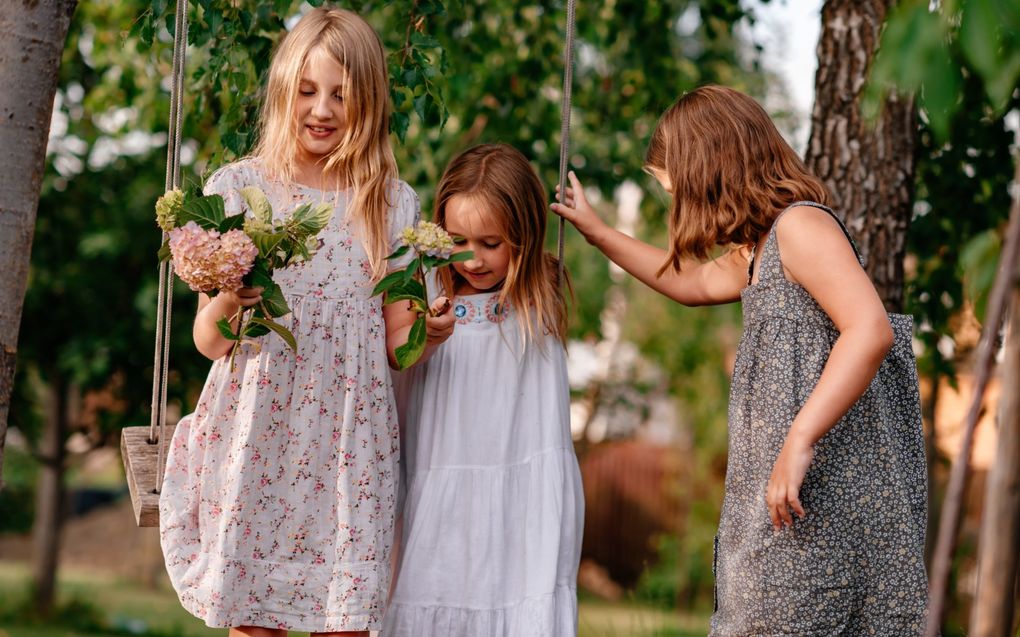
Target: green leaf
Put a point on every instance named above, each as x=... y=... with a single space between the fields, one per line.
x=267 y=243
x=979 y=36
x=413 y=287
x=457 y=257
x=259 y=204
x=399 y=252
x=207 y=212
x=254 y=331
x=409 y=353
x=421 y=105
x=308 y=219
x=164 y=251
x=417 y=304
x=232 y=222
x=388 y=282
x=283 y=332
x=422 y=39
x=411 y=270
x=273 y=301
x=259 y=276
x=399 y=123
x=226 y=331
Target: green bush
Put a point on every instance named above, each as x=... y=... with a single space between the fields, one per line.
x=17 y=498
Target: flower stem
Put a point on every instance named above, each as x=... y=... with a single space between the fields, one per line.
x=243 y=319
x=425 y=286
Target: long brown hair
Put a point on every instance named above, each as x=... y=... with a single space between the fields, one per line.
x=502 y=180
x=363 y=159
x=730 y=169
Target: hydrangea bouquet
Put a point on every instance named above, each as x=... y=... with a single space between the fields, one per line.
x=214 y=252
x=433 y=248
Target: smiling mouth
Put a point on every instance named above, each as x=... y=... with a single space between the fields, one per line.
x=320 y=130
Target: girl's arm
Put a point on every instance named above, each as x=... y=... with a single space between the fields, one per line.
x=399 y=318
x=817 y=255
x=208 y=340
x=714 y=282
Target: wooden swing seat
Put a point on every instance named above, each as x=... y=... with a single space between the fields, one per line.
x=140 y=456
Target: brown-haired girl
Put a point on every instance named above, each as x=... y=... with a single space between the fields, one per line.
x=823 y=519
x=277 y=511
x=492 y=522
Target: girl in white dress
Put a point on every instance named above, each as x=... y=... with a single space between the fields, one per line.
x=278 y=505
x=493 y=512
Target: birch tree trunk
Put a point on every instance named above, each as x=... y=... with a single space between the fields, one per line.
x=32 y=34
x=870 y=170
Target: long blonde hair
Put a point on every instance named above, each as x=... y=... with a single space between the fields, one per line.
x=501 y=178
x=730 y=169
x=363 y=159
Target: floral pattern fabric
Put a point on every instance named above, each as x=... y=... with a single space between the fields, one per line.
x=854 y=565
x=280 y=491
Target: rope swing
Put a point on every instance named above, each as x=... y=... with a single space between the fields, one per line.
x=568 y=85
x=144 y=449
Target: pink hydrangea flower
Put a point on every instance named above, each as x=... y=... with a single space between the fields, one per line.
x=207 y=260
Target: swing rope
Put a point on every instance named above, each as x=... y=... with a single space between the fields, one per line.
x=161 y=357
x=568 y=83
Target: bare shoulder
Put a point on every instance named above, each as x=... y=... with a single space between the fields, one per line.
x=807 y=230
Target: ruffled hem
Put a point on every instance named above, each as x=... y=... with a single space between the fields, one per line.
x=551 y=615
x=284 y=621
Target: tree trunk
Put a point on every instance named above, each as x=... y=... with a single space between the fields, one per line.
x=49 y=497
x=992 y=614
x=32 y=34
x=929 y=409
x=868 y=167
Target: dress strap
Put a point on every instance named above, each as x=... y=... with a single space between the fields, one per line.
x=770 y=252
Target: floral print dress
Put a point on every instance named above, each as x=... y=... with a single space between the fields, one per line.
x=278 y=503
x=855 y=564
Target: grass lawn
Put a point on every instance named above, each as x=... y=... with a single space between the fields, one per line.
x=109 y=607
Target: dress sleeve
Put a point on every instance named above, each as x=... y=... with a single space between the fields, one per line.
x=406 y=211
x=226 y=182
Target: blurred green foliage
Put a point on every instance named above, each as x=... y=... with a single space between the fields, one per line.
x=961 y=205
x=961 y=58
x=931 y=49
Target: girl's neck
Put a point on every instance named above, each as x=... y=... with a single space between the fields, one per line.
x=309 y=172
x=463 y=288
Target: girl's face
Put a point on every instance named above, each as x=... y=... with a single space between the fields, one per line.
x=319 y=106
x=474 y=228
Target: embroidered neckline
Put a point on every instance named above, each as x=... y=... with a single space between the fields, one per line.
x=480 y=308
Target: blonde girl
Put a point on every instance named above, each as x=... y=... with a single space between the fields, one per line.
x=823 y=518
x=278 y=505
x=493 y=513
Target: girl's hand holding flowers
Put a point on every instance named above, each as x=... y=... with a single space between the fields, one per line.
x=439 y=322
x=433 y=248
x=235 y=256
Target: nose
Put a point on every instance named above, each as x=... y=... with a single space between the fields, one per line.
x=320 y=108
x=474 y=263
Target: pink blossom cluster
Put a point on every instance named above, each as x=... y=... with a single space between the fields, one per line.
x=207 y=260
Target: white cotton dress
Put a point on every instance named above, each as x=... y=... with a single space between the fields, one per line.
x=280 y=491
x=493 y=512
